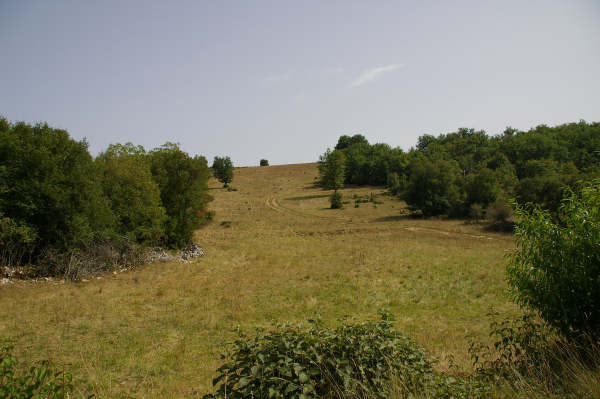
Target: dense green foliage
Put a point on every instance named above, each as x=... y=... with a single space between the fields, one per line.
x=264 y=162
x=133 y=194
x=222 y=169
x=332 y=166
x=51 y=193
x=353 y=360
x=58 y=205
x=556 y=269
x=335 y=199
x=431 y=187
x=182 y=182
x=471 y=168
x=45 y=381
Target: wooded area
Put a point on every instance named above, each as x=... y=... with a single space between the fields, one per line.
x=58 y=202
x=458 y=173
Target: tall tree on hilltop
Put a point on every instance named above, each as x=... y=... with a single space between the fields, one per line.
x=223 y=170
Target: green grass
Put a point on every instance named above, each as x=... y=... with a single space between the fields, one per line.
x=274 y=252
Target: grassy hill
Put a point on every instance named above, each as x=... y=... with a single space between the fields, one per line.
x=274 y=252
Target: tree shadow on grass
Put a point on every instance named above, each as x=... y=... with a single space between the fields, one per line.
x=307 y=197
x=397 y=218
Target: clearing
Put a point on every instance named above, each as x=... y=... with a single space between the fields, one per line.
x=274 y=252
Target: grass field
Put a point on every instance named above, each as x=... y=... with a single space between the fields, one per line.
x=274 y=252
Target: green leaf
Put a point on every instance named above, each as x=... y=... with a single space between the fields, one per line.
x=303 y=377
x=290 y=387
x=243 y=382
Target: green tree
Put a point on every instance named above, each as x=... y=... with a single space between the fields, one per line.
x=182 y=181
x=347 y=141
x=134 y=195
x=431 y=187
x=555 y=270
x=331 y=169
x=393 y=183
x=481 y=188
x=356 y=157
x=264 y=162
x=52 y=195
x=223 y=170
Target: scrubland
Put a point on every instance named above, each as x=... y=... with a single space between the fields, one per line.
x=274 y=252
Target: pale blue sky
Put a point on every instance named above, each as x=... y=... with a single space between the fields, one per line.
x=282 y=80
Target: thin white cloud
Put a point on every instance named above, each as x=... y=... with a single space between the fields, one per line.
x=278 y=78
x=332 y=71
x=373 y=74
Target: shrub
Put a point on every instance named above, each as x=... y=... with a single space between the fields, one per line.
x=37 y=382
x=393 y=183
x=529 y=360
x=498 y=217
x=520 y=344
x=555 y=269
x=336 y=200
x=264 y=162
x=315 y=361
x=476 y=212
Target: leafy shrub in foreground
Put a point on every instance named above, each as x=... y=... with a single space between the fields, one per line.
x=529 y=360
x=353 y=360
x=556 y=269
x=37 y=383
x=520 y=344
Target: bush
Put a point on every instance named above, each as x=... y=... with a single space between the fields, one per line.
x=555 y=269
x=264 y=162
x=520 y=344
x=476 y=212
x=182 y=181
x=35 y=383
x=529 y=360
x=498 y=217
x=314 y=361
x=393 y=183
x=336 y=200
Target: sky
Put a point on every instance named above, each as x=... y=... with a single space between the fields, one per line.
x=283 y=80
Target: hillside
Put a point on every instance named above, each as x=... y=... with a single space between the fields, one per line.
x=273 y=252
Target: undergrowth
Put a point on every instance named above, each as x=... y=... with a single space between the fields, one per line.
x=366 y=360
x=37 y=382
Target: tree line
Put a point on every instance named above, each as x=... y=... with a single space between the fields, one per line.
x=461 y=172
x=57 y=201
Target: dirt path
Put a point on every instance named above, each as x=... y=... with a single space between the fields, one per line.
x=447 y=233
x=272 y=203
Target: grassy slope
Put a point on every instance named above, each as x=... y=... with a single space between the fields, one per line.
x=274 y=252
